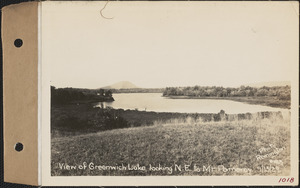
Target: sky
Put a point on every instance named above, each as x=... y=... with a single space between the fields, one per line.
x=166 y=44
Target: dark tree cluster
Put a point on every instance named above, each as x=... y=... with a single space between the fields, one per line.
x=92 y=120
x=63 y=96
x=105 y=93
x=281 y=92
x=113 y=120
x=68 y=95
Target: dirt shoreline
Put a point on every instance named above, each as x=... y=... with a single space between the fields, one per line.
x=265 y=101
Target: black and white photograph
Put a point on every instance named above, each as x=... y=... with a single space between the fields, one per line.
x=171 y=88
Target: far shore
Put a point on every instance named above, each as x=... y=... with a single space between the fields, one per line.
x=265 y=101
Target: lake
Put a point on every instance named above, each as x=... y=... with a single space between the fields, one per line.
x=155 y=102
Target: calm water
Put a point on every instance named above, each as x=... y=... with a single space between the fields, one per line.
x=155 y=102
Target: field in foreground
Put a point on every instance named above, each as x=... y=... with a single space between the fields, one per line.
x=178 y=147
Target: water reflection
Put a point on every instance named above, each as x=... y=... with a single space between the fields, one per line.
x=155 y=102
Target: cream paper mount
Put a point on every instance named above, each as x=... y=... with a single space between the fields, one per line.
x=100 y=93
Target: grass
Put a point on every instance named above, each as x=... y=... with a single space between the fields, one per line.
x=179 y=141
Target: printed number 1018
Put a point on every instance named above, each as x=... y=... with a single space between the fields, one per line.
x=291 y=180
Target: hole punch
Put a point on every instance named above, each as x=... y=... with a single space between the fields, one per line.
x=18 y=43
x=19 y=147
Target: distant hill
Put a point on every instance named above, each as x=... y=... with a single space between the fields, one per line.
x=269 y=84
x=121 y=85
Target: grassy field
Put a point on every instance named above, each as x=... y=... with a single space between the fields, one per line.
x=253 y=146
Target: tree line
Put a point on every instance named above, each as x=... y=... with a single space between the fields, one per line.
x=281 y=92
x=68 y=95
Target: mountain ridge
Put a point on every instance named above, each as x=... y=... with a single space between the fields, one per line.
x=121 y=85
